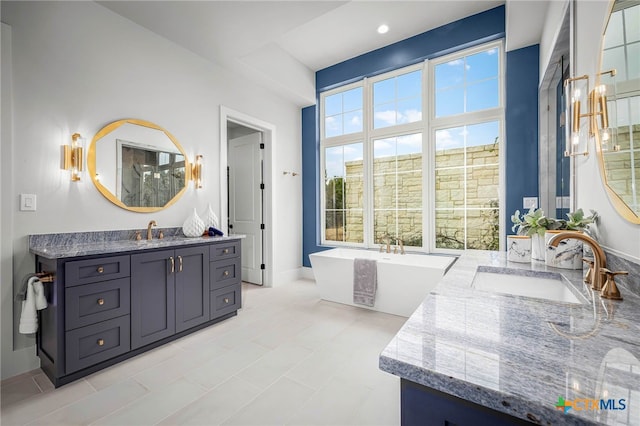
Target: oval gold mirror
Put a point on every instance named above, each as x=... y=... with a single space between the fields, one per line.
x=619 y=141
x=138 y=165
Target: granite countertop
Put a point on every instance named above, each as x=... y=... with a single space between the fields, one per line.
x=57 y=246
x=518 y=355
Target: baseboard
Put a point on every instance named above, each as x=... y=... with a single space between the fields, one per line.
x=307 y=273
x=286 y=277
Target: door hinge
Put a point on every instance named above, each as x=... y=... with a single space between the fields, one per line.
x=262 y=266
x=262 y=226
x=262 y=186
x=262 y=146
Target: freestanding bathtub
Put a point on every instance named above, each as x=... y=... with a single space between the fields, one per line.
x=403 y=280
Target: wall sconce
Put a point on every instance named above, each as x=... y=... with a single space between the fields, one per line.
x=596 y=101
x=577 y=89
x=607 y=133
x=196 y=172
x=72 y=157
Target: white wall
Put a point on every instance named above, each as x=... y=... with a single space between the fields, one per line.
x=617 y=234
x=78 y=66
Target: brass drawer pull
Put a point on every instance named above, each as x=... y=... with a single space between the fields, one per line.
x=100 y=342
x=226 y=300
x=100 y=269
x=179 y=263
x=225 y=251
x=226 y=273
x=100 y=301
x=173 y=264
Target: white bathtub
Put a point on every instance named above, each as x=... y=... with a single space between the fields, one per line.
x=403 y=280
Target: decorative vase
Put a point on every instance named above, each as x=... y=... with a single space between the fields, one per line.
x=193 y=226
x=568 y=254
x=210 y=219
x=519 y=248
x=537 y=247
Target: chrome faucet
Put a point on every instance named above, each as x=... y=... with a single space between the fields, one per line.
x=599 y=261
x=149 y=234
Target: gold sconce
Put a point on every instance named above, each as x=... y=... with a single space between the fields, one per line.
x=196 y=172
x=72 y=157
x=607 y=133
x=596 y=101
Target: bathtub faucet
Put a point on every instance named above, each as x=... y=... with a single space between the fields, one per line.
x=387 y=241
x=401 y=244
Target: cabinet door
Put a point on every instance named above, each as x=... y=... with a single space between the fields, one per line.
x=192 y=287
x=152 y=297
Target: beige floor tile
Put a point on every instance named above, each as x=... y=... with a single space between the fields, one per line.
x=94 y=406
x=274 y=406
x=37 y=406
x=18 y=389
x=43 y=382
x=156 y=405
x=216 y=405
x=219 y=370
x=334 y=404
x=179 y=365
x=133 y=366
x=316 y=369
x=269 y=368
x=381 y=408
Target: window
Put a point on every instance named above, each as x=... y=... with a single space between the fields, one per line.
x=343 y=113
x=393 y=170
x=397 y=188
x=344 y=184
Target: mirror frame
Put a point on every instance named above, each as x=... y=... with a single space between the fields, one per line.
x=91 y=164
x=618 y=203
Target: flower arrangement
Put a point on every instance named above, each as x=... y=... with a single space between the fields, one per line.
x=534 y=222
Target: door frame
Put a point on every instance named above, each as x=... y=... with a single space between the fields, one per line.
x=268 y=138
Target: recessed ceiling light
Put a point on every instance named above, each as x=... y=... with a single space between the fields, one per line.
x=382 y=29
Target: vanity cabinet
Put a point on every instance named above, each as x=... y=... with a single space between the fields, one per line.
x=169 y=293
x=104 y=309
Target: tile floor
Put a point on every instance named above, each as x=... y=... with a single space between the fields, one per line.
x=287 y=358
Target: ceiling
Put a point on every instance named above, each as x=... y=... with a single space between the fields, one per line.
x=280 y=44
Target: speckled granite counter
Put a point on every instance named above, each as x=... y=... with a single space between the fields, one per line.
x=58 y=246
x=517 y=355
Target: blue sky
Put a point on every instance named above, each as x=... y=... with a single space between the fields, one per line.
x=463 y=85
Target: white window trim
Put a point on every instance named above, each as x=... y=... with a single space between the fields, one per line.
x=468 y=118
x=428 y=126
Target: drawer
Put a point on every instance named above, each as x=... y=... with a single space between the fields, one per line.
x=93 y=270
x=224 y=273
x=95 y=343
x=224 y=250
x=92 y=303
x=225 y=300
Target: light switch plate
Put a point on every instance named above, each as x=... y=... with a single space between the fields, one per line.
x=530 y=202
x=27 y=202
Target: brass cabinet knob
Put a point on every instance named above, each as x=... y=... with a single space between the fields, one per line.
x=225 y=251
x=100 y=301
x=226 y=273
x=226 y=300
x=100 y=342
x=100 y=269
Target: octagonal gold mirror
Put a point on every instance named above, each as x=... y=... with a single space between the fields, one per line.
x=138 y=165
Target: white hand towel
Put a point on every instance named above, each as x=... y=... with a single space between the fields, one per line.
x=41 y=300
x=29 y=318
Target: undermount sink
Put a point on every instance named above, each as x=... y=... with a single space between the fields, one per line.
x=534 y=284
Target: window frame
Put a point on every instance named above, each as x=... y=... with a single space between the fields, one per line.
x=427 y=126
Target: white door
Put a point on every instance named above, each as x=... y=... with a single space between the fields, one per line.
x=245 y=201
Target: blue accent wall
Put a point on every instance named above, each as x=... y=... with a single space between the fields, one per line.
x=467 y=32
x=521 y=117
x=310 y=184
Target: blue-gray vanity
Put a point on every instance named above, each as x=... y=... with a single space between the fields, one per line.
x=113 y=297
x=469 y=356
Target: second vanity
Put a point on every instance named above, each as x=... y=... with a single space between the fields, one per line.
x=113 y=297
x=480 y=350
